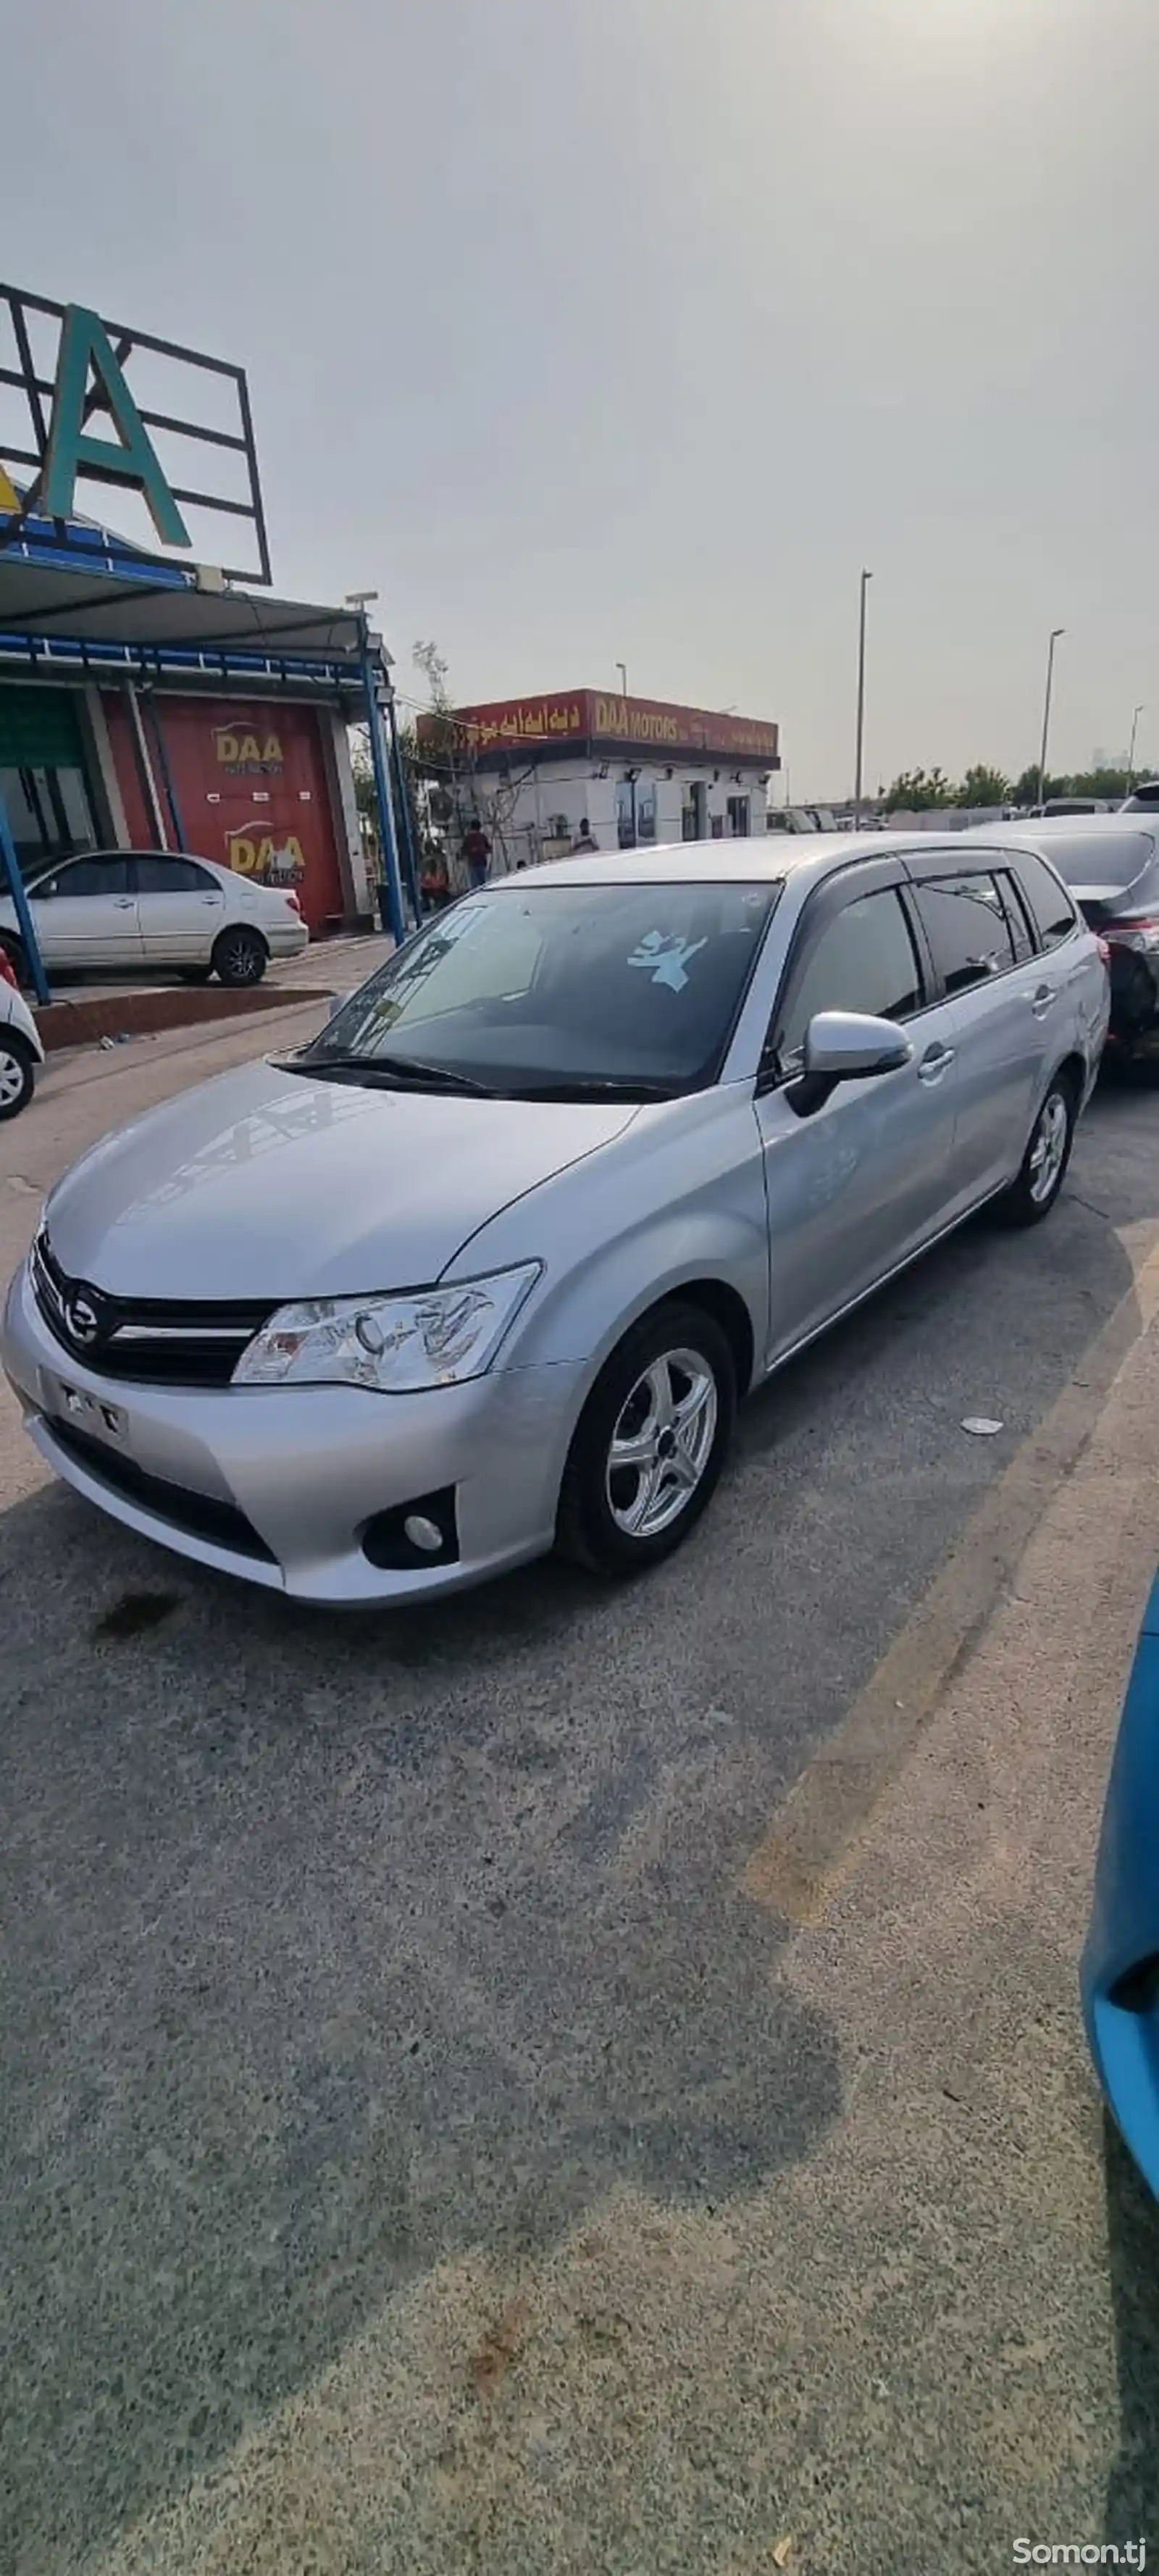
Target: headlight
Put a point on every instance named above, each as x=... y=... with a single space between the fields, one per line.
x=435 y=1337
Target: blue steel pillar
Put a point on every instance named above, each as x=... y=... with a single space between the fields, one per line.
x=381 y=765
x=409 y=859
x=20 y=900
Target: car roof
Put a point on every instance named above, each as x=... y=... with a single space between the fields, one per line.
x=810 y=855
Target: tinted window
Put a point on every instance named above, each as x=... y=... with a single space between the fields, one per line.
x=1022 y=929
x=551 y=988
x=966 y=925
x=86 y=876
x=1050 y=904
x=862 y=961
x=153 y=874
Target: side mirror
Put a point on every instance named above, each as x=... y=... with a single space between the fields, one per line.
x=845 y=1046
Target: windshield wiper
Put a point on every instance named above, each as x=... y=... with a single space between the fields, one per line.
x=407 y=1071
x=580 y=1086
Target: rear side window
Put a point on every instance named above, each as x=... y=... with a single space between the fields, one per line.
x=967 y=928
x=862 y=961
x=1022 y=930
x=1050 y=904
x=155 y=875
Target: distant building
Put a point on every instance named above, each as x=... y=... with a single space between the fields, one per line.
x=542 y=773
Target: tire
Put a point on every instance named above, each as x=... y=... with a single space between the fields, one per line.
x=661 y=1361
x=17 y=1073
x=1031 y=1197
x=240 y=957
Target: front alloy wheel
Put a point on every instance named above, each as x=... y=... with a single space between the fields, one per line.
x=651 y=1442
x=17 y=1074
x=661 y=1444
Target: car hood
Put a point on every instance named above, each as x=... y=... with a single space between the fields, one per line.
x=265 y=1184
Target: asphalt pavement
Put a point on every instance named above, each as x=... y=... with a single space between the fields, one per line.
x=428 y=2138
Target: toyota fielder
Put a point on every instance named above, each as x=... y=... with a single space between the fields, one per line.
x=488 y=1264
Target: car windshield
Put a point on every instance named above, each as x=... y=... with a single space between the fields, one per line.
x=538 y=990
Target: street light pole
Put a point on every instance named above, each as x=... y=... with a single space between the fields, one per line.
x=1131 y=754
x=1055 y=632
x=622 y=668
x=866 y=578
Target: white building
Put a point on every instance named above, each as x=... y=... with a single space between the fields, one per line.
x=543 y=773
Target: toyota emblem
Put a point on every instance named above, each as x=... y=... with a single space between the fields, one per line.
x=82 y=1319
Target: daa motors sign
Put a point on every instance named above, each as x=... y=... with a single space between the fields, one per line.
x=85 y=403
x=243 y=752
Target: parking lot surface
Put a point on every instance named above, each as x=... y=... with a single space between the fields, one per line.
x=438 y=2127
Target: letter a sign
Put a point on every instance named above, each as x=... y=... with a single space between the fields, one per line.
x=89 y=378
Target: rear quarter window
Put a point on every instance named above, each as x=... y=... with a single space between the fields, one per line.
x=1051 y=907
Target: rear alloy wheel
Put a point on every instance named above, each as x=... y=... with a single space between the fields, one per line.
x=17 y=1073
x=1032 y=1195
x=651 y=1442
x=240 y=957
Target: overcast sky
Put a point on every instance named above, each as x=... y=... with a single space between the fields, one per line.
x=589 y=329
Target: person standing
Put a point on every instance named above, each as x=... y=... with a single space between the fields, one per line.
x=475 y=852
x=434 y=882
x=584 y=840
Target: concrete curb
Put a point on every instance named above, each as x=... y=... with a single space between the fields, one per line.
x=111 y=1015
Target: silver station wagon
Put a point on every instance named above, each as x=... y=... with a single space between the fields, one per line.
x=486 y=1267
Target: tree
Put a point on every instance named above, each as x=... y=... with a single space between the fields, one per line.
x=1111 y=783
x=983 y=786
x=916 y=791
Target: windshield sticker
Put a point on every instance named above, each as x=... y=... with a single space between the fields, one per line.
x=667 y=956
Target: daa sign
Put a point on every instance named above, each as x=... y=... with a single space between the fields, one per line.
x=89 y=402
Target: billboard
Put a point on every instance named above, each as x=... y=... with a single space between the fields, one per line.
x=87 y=403
x=575 y=718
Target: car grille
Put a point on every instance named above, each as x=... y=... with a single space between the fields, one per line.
x=199 y=1515
x=152 y=1341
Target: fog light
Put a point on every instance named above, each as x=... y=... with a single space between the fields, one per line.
x=419 y=1533
x=423 y=1533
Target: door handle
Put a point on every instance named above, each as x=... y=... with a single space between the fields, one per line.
x=122 y=903
x=1043 y=1000
x=935 y=1062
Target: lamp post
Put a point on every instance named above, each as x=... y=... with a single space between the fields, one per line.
x=1131 y=754
x=866 y=578
x=1055 y=632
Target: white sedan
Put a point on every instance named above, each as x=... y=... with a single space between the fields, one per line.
x=120 y=910
x=21 y=1053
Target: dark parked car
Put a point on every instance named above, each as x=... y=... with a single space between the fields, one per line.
x=1111 y=864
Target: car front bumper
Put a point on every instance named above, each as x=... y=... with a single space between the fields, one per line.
x=278 y=1484
x=1120 y=1968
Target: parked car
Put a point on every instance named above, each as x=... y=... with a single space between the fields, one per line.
x=488 y=1264
x=21 y=1053
x=1074 y=805
x=1111 y=865
x=1120 y=1970
x=122 y=910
